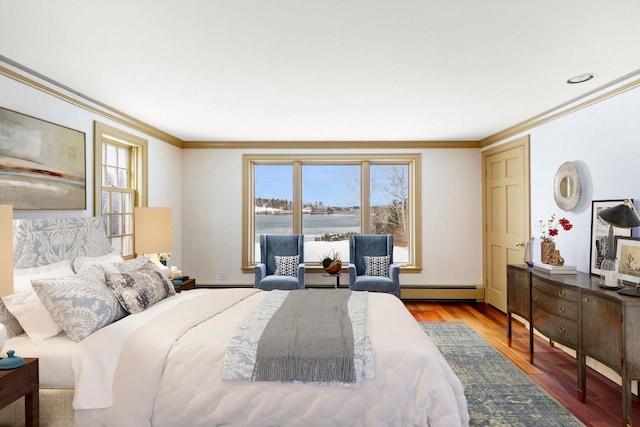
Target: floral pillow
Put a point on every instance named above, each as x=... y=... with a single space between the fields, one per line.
x=286 y=265
x=376 y=265
x=81 y=304
x=139 y=289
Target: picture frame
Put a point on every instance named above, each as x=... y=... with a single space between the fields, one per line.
x=42 y=164
x=600 y=231
x=628 y=256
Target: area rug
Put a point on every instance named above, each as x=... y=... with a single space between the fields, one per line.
x=498 y=392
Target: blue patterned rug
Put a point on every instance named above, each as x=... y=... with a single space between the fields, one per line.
x=498 y=392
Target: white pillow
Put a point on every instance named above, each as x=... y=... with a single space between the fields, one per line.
x=82 y=262
x=26 y=306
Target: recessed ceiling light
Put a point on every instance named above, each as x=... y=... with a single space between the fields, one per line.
x=581 y=78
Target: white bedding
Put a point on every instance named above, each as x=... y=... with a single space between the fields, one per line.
x=54 y=358
x=413 y=384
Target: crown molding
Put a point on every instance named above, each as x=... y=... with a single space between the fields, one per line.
x=316 y=145
x=541 y=119
x=117 y=116
x=101 y=110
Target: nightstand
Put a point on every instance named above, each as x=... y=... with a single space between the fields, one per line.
x=22 y=381
x=188 y=284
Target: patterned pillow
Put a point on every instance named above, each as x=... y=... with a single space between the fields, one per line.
x=81 y=304
x=376 y=266
x=287 y=265
x=139 y=289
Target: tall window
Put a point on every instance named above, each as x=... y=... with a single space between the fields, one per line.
x=120 y=167
x=329 y=197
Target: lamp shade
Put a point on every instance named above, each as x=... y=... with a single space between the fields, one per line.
x=6 y=250
x=153 y=230
x=624 y=215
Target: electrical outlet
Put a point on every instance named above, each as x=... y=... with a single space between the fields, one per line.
x=223 y=275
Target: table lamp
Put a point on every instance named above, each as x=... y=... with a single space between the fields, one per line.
x=6 y=249
x=624 y=215
x=6 y=253
x=153 y=230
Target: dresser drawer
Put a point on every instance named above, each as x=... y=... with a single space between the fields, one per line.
x=556 y=328
x=566 y=293
x=555 y=305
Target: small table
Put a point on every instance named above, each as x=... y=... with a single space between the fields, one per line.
x=188 y=284
x=22 y=381
x=336 y=275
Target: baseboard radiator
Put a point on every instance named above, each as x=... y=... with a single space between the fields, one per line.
x=447 y=293
x=420 y=292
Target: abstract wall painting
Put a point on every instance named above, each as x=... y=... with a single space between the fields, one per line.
x=42 y=164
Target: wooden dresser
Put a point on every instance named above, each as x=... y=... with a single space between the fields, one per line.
x=574 y=311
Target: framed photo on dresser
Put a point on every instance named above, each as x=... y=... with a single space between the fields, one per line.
x=628 y=256
x=600 y=233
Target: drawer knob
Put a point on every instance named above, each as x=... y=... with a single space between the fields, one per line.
x=585 y=299
x=535 y=297
x=561 y=329
x=561 y=293
x=561 y=309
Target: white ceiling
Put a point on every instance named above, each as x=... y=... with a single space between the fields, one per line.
x=328 y=70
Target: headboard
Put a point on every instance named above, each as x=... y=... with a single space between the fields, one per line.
x=44 y=241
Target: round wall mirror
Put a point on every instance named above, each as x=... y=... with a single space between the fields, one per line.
x=567 y=187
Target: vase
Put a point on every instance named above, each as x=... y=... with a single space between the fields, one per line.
x=334 y=267
x=550 y=255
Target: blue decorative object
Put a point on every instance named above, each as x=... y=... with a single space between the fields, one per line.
x=177 y=282
x=12 y=361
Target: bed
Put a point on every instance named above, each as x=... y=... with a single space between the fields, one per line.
x=164 y=365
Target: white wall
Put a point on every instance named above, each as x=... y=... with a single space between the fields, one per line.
x=165 y=160
x=604 y=141
x=451 y=216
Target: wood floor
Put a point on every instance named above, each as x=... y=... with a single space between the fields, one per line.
x=554 y=370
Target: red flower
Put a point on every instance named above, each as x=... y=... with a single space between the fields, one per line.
x=564 y=222
x=550 y=228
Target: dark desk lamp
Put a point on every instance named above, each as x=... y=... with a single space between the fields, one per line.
x=624 y=216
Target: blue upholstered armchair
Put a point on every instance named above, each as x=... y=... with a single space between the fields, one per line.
x=371 y=265
x=279 y=268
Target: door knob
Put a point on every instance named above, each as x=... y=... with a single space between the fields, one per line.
x=520 y=244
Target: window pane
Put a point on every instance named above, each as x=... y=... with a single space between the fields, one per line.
x=273 y=208
x=110 y=179
x=115 y=225
x=127 y=246
x=127 y=203
x=112 y=156
x=122 y=178
x=115 y=202
x=330 y=209
x=105 y=202
x=122 y=158
x=128 y=224
x=390 y=206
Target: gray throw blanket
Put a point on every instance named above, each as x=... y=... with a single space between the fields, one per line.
x=309 y=339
